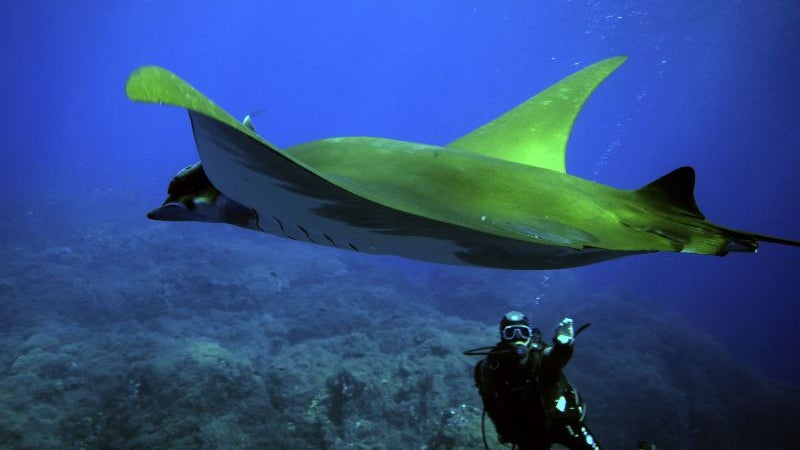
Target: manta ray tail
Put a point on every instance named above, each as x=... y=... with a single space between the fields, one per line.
x=743 y=241
x=675 y=191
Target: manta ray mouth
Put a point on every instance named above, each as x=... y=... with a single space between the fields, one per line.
x=221 y=210
x=178 y=212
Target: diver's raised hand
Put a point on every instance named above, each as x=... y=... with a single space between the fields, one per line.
x=565 y=333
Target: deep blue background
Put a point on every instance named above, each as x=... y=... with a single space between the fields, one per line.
x=712 y=84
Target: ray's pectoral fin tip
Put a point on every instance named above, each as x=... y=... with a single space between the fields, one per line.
x=496 y=197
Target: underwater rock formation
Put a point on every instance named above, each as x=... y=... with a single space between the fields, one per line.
x=247 y=348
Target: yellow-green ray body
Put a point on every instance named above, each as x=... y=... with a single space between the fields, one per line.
x=497 y=197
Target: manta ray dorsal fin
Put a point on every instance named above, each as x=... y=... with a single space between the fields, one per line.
x=536 y=132
x=675 y=189
x=153 y=84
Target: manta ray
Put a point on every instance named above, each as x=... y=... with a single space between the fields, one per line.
x=497 y=197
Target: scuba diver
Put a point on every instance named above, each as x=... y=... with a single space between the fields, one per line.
x=525 y=392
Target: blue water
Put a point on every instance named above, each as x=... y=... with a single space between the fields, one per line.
x=711 y=84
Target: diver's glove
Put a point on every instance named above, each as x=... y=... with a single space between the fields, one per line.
x=565 y=333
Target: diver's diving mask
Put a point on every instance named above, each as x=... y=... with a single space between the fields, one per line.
x=516 y=333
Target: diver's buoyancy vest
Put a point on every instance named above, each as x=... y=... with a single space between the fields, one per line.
x=502 y=385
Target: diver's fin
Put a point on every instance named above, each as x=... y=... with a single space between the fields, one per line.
x=536 y=132
x=675 y=189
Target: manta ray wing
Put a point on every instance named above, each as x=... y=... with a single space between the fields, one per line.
x=536 y=132
x=292 y=201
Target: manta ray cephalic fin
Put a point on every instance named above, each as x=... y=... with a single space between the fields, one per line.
x=535 y=133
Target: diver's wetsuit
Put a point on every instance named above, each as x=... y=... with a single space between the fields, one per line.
x=533 y=405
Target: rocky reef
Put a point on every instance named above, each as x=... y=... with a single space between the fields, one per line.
x=197 y=336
